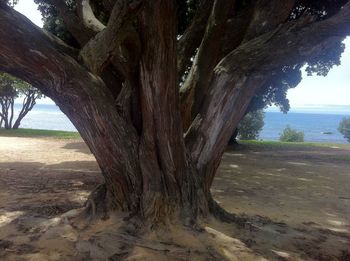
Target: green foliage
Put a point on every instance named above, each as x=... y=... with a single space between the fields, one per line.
x=11 y=86
x=53 y=23
x=322 y=64
x=291 y=135
x=275 y=91
x=8 y=85
x=344 y=128
x=280 y=145
x=251 y=125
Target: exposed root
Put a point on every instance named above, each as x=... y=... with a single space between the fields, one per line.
x=221 y=214
x=95 y=205
x=95 y=208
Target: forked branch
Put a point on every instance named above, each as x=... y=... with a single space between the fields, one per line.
x=107 y=47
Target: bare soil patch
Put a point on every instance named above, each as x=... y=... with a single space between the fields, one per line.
x=295 y=202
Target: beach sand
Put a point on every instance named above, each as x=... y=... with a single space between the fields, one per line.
x=295 y=202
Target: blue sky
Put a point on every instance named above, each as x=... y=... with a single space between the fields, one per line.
x=334 y=89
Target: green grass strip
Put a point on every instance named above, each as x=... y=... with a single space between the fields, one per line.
x=33 y=133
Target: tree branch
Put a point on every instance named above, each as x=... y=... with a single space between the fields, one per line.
x=107 y=47
x=27 y=53
x=192 y=37
x=253 y=20
x=87 y=16
x=267 y=15
x=30 y=50
x=222 y=36
x=81 y=30
x=198 y=80
x=241 y=73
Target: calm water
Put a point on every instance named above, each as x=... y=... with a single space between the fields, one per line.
x=312 y=123
x=47 y=117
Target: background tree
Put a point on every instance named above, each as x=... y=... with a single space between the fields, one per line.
x=291 y=135
x=250 y=126
x=344 y=128
x=118 y=73
x=10 y=89
x=7 y=99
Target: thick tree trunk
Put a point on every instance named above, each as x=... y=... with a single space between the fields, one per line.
x=138 y=177
x=159 y=182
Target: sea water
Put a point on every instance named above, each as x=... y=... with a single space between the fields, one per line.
x=317 y=127
x=314 y=122
x=46 y=117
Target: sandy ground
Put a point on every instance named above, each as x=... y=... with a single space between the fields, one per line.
x=296 y=202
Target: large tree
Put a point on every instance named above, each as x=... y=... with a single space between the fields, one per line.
x=156 y=88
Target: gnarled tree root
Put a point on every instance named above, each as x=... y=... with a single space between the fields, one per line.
x=96 y=205
x=221 y=214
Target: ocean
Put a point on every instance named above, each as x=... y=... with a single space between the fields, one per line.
x=46 y=117
x=313 y=121
x=314 y=126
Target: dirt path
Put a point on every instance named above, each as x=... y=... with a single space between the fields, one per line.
x=296 y=201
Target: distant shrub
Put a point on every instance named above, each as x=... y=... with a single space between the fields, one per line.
x=251 y=125
x=291 y=135
x=344 y=128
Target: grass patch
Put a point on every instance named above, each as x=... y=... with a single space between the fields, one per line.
x=342 y=158
x=290 y=145
x=33 y=133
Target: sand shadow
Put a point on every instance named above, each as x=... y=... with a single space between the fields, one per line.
x=78 y=146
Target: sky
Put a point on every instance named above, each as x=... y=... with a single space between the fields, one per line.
x=334 y=89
